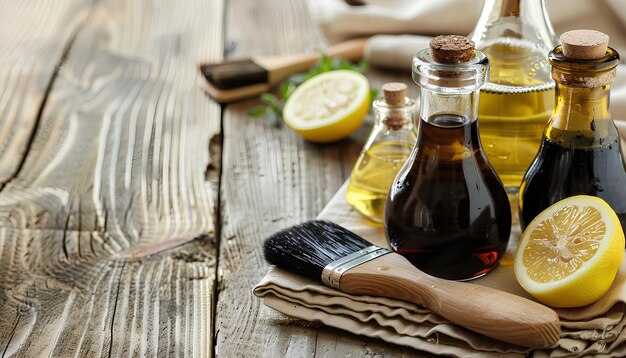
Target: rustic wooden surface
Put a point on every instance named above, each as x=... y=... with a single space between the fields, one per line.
x=275 y=179
x=112 y=161
x=104 y=162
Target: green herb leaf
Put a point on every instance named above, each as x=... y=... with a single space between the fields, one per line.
x=362 y=66
x=272 y=119
x=257 y=111
x=297 y=79
x=275 y=104
x=325 y=64
x=373 y=94
x=286 y=89
x=336 y=63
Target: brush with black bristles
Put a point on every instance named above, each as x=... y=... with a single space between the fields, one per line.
x=231 y=81
x=345 y=261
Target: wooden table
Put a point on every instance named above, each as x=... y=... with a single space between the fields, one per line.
x=132 y=207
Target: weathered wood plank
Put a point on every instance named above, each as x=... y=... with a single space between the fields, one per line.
x=127 y=122
x=34 y=37
x=117 y=171
x=137 y=307
x=272 y=179
x=261 y=189
x=270 y=27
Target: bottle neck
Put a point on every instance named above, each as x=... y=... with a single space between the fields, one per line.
x=518 y=19
x=448 y=127
x=582 y=110
x=395 y=117
x=581 y=115
x=456 y=104
x=515 y=35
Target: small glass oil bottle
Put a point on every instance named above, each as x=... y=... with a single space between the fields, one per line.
x=384 y=153
x=516 y=102
x=447 y=211
x=580 y=152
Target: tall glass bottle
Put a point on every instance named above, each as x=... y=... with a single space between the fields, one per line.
x=516 y=102
x=386 y=150
x=447 y=211
x=580 y=151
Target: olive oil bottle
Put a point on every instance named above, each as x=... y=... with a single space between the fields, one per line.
x=516 y=102
x=385 y=152
x=580 y=151
x=448 y=212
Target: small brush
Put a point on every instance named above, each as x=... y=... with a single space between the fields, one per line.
x=345 y=261
x=230 y=81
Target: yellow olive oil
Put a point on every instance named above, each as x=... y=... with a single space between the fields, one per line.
x=373 y=175
x=514 y=107
x=511 y=126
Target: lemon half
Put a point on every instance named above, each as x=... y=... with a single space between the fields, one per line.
x=570 y=253
x=329 y=106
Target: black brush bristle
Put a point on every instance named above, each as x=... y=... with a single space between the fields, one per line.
x=234 y=74
x=307 y=248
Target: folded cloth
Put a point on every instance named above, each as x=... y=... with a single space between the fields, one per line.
x=594 y=329
x=339 y=20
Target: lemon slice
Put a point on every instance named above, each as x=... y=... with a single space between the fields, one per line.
x=329 y=106
x=570 y=253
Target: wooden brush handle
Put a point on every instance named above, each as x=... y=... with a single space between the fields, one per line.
x=351 y=50
x=279 y=68
x=488 y=311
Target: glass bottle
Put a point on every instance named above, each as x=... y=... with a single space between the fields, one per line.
x=384 y=153
x=516 y=102
x=447 y=211
x=580 y=151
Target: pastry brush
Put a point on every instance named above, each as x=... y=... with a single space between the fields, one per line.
x=234 y=80
x=345 y=261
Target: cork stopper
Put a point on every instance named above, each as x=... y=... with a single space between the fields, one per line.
x=584 y=44
x=451 y=49
x=394 y=93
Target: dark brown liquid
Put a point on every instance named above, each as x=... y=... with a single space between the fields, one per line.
x=447 y=211
x=561 y=171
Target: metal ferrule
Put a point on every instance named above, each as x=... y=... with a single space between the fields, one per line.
x=331 y=275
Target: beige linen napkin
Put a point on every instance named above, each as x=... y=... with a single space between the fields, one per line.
x=594 y=329
x=340 y=21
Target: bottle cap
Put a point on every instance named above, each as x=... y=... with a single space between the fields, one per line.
x=451 y=49
x=394 y=93
x=584 y=44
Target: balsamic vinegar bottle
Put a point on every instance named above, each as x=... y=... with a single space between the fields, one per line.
x=447 y=210
x=580 y=151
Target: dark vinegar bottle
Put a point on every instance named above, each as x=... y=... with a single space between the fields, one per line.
x=580 y=151
x=447 y=211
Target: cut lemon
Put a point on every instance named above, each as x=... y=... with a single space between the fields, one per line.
x=329 y=106
x=570 y=253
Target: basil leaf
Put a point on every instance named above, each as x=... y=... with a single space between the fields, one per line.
x=272 y=119
x=257 y=111
x=273 y=102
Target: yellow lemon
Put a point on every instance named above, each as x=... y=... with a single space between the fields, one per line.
x=570 y=253
x=329 y=106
